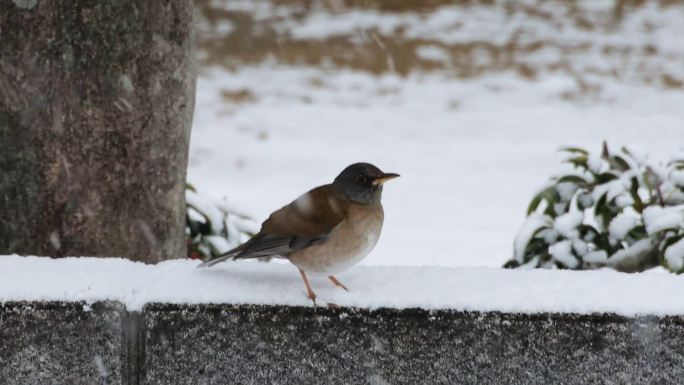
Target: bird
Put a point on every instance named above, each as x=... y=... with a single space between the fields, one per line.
x=326 y=230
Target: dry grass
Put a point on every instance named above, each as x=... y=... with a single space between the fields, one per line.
x=253 y=41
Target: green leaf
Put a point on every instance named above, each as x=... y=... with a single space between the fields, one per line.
x=206 y=227
x=575 y=179
x=605 y=177
x=534 y=204
x=577 y=150
x=600 y=205
x=511 y=264
x=678 y=164
x=548 y=195
x=629 y=153
x=636 y=234
x=579 y=162
x=619 y=163
x=634 y=192
x=535 y=247
x=588 y=233
x=551 y=196
x=192 y=225
x=604 y=212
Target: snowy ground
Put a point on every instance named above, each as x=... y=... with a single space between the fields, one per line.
x=480 y=289
x=471 y=152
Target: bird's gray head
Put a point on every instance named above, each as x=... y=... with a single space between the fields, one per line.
x=362 y=183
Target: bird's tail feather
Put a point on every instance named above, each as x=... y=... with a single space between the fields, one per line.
x=225 y=256
x=218 y=259
x=264 y=246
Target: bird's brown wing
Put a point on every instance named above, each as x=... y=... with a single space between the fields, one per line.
x=305 y=222
x=312 y=215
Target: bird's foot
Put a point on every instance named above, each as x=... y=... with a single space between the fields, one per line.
x=336 y=282
x=309 y=293
x=334 y=306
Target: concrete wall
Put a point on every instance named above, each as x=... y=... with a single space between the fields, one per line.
x=62 y=343
x=245 y=344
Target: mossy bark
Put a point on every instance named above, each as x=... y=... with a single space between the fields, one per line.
x=96 y=103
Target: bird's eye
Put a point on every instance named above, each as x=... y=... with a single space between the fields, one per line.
x=361 y=179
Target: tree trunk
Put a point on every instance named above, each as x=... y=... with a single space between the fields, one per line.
x=96 y=102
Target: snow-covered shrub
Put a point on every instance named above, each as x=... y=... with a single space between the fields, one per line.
x=614 y=208
x=212 y=227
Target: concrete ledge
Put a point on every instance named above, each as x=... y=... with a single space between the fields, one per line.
x=73 y=343
x=250 y=323
x=62 y=343
x=219 y=344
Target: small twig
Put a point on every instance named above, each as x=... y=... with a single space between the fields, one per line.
x=660 y=196
x=390 y=60
x=605 y=154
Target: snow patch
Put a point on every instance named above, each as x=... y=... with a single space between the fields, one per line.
x=562 y=252
x=428 y=287
x=674 y=255
x=623 y=224
x=566 y=191
x=658 y=218
x=55 y=241
x=677 y=177
x=126 y=83
x=598 y=257
x=99 y=365
x=25 y=4
x=433 y=53
x=633 y=252
x=566 y=224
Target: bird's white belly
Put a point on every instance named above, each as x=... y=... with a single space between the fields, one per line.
x=348 y=244
x=336 y=264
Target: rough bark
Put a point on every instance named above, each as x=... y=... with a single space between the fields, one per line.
x=96 y=102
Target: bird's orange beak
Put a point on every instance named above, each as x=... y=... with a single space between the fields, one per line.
x=384 y=178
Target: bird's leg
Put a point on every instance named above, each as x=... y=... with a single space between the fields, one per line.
x=309 y=292
x=336 y=282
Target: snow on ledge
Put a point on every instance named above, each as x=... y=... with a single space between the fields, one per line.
x=474 y=289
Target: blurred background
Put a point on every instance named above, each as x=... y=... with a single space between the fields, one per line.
x=467 y=100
